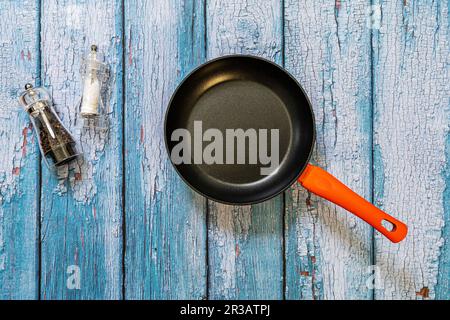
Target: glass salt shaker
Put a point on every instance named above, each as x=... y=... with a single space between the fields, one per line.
x=95 y=75
x=55 y=142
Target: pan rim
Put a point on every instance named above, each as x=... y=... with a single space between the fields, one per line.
x=301 y=168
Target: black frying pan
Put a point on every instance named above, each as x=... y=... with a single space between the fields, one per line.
x=246 y=92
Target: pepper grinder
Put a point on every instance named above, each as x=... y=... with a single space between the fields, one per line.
x=95 y=74
x=55 y=142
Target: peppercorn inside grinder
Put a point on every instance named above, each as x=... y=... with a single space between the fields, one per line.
x=95 y=74
x=55 y=142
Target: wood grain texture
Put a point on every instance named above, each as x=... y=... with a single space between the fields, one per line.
x=19 y=165
x=245 y=243
x=327 y=48
x=82 y=203
x=165 y=254
x=411 y=134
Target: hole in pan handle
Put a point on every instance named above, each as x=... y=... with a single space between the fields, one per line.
x=323 y=184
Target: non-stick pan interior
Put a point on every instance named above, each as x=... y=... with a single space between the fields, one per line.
x=242 y=92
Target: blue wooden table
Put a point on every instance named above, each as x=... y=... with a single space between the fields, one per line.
x=120 y=224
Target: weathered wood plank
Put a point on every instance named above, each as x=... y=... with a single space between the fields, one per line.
x=245 y=243
x=327 y=48
x=165 y=221
x=412 y=123
x=82 y=209
x=19 y=165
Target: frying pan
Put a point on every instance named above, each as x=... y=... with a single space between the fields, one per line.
x=248 y=92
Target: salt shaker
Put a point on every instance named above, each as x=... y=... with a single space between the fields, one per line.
x=55 y=142
x=94 y=73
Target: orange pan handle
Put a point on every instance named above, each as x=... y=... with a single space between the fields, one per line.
x=323 y=184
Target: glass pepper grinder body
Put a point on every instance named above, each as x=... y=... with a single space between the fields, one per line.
x=95 y=75
x=55 y=142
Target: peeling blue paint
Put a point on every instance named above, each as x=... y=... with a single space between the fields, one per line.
x=19 y=163
x=81 y=209
x=165 y=253
x=443 y=285
x=378 y=185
